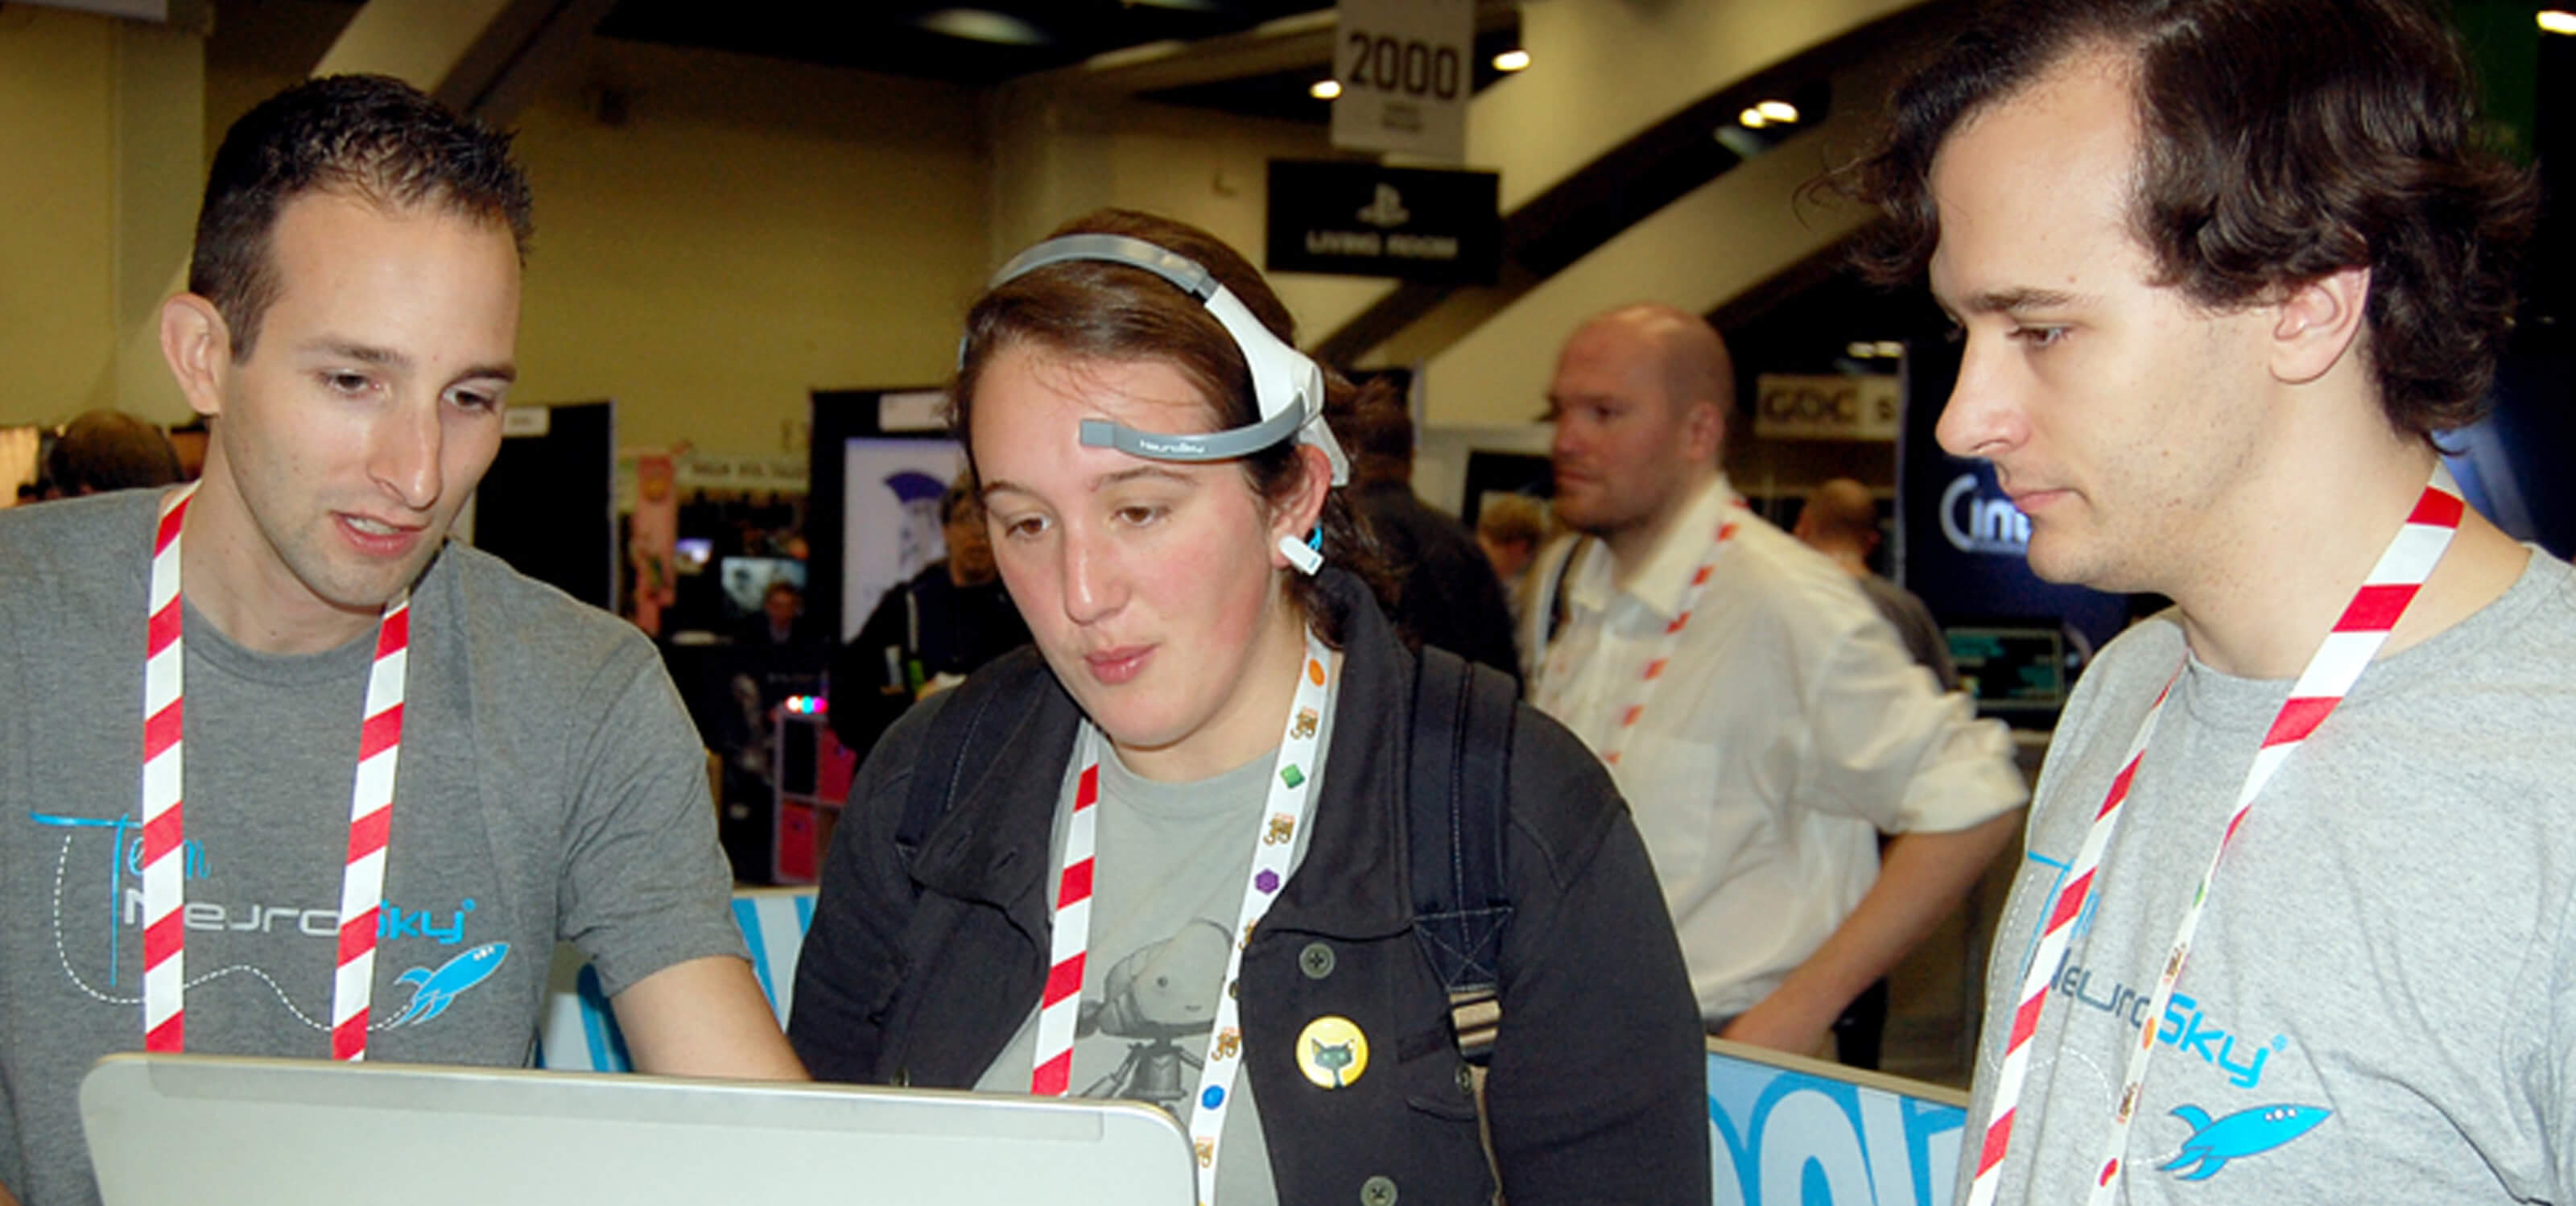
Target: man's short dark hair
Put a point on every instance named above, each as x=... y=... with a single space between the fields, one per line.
x=2281 y=141
x=371 y=137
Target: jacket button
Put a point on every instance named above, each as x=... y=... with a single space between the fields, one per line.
x=1377 y=1191
x=1317 y=962
x=1466 y=1080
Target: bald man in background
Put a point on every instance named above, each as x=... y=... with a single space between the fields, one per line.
x=1758 y=715
x=1840 y=520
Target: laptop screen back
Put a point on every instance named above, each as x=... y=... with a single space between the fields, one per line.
x=218 y=1131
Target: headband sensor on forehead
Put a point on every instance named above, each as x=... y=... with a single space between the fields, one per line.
x=1288 y=387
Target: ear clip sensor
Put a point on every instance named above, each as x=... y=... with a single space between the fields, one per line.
x=1307 y=555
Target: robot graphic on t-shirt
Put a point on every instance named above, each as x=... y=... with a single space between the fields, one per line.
x=1157 y=996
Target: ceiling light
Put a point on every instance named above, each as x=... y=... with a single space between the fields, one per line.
x=2557 y=21
x=1325 y=89
x=1779 y=111
x=1752 y=119
x=983 y=25
x=1511 y=60
x=1891 y=349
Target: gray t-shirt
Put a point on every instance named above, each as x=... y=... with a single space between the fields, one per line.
x=549 y=786
x=1170 y=863
x=2381 y=1000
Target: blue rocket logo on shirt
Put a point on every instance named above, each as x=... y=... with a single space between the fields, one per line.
x=2248 y=1132
x=433 y=991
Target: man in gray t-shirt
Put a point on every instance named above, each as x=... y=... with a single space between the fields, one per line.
x=2224 y=267
x=349 y=328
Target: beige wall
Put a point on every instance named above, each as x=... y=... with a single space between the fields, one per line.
x=717 y=234
x=86 y=125
x=56 y=315
x=750 y=231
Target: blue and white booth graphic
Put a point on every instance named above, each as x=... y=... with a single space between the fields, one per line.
x=1782 y=1131
x=1785 y=1131
x=580 y=1035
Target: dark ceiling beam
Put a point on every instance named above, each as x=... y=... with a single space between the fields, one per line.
x=484 y=58
x=499 y=76
x=1288 y=44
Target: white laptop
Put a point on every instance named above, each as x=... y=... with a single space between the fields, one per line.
x=221 y=1131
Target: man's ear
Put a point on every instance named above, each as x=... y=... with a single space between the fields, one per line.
x=1704 y=427
x=2317 y=323
x=199 y=346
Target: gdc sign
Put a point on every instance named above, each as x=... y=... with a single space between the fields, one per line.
x=1789 y=407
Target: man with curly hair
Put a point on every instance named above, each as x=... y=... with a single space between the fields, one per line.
x=2225 y=269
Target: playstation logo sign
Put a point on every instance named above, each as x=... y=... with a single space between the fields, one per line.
x=1366 y=219
x=1387 y=210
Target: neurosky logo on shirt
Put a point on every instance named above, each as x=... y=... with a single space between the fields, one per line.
x=125 y=890
x=2185 y=1025
x=434 y=988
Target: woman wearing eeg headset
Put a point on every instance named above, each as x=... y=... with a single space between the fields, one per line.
x=1191 y=809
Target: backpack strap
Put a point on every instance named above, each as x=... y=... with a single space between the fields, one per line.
x=945 y=748
x=1456 y=806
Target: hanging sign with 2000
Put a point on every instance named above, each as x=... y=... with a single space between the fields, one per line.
x=1406 y=73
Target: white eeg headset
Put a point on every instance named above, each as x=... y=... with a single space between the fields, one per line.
x=1288 y=386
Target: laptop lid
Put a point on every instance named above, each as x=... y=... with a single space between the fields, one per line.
x=225 y=1131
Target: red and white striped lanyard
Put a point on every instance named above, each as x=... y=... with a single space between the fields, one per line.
x=1290 y=783
x=1559 y=674
x=2345 y=653
x=362 y=876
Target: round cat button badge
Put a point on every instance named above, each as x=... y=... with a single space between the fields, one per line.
x=1332 y=1052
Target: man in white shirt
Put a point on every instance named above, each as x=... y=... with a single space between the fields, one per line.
x=1766 y=726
